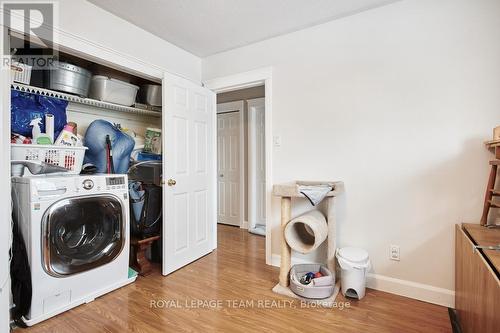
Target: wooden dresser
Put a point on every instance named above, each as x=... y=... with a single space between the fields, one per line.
x=477 y=282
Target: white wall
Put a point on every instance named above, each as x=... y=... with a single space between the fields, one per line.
x=87 y=21
x=396 y=102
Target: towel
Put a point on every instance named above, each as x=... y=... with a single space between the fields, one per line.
x=137 y=198
x=315 y=193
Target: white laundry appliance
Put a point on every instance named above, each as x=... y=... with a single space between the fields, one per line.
x=76 y=232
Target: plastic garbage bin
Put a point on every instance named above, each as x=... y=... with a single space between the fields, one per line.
x=354 y=264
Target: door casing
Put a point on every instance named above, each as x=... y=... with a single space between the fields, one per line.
x=254 y=157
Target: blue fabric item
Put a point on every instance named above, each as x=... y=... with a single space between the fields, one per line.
x=136 y=199
x=145 y=156
x=25 y=107
x=95 y=139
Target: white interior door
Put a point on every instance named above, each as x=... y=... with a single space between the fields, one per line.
x=228 y=168
x=189 y=226
x=257 y=162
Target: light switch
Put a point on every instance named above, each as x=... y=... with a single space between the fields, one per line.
x=277 y=141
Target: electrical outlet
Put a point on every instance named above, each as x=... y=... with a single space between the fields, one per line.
x=394 y=252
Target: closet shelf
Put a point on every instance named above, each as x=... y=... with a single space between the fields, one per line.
x=85 y=101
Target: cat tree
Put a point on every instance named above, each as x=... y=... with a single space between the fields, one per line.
x=288 y=191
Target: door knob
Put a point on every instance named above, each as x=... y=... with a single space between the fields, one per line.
x=221 y=175
x=171 y=182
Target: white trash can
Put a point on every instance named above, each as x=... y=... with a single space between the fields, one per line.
x=354 y=263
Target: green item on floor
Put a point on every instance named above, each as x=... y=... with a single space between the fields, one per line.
x=131 y=273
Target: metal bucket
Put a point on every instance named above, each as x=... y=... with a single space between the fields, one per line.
x=150 y=94
x=69 y=78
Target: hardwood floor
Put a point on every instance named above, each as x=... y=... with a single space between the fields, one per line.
x=233 y=275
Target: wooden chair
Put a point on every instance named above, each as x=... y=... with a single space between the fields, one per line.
x=491 y=192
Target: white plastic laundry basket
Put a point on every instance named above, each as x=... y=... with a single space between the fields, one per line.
x=354 y=264
x=70 y=158
x=20 y=72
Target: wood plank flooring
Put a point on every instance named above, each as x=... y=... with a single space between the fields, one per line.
x=229 y=290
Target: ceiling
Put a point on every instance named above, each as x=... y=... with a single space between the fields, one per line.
x=206 y=27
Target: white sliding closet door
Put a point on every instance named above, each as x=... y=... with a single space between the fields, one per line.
x=189 y=222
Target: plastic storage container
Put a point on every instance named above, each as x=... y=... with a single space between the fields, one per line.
x=311 y=290
x=110 y=90
x=354 y=263
x=70 y=158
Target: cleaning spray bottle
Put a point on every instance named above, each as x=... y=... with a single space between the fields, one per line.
x=35 y=132
x=38 y=137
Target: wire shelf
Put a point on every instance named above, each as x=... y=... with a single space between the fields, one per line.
x=81 y=100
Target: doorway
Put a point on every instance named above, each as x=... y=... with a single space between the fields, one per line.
x=240 y=81
x=241 y=159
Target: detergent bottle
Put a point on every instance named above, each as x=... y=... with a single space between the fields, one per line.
x=67 y=137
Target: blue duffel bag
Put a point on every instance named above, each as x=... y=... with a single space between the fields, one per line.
x=95 y=139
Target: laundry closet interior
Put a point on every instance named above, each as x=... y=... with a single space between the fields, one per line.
x=82 y=231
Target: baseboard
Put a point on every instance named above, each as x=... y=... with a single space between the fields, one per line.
x=415 y=290
x=244 y=225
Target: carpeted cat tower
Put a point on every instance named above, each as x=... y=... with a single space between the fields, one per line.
x=306 y=233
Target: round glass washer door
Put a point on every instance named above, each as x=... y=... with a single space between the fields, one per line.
x=82 y=233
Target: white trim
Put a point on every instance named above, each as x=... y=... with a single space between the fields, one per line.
x=231 y=106
x=415 y=290
x=252 y=156
x=251 y=152
x=239 y=81
x=244 y=80
x=213 y=107
x=410 y=289
x=244 y=225
x=240 y=107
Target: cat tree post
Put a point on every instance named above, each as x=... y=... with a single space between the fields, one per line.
x=286 y=252
x=332 y=244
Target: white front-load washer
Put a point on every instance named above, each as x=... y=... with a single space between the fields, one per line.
x=76 y=232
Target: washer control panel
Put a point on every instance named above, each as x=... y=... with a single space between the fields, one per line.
x=115 y=182
x=50 y=187
x=88 y=184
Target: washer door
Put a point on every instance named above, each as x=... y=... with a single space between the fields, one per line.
x=82 y=233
